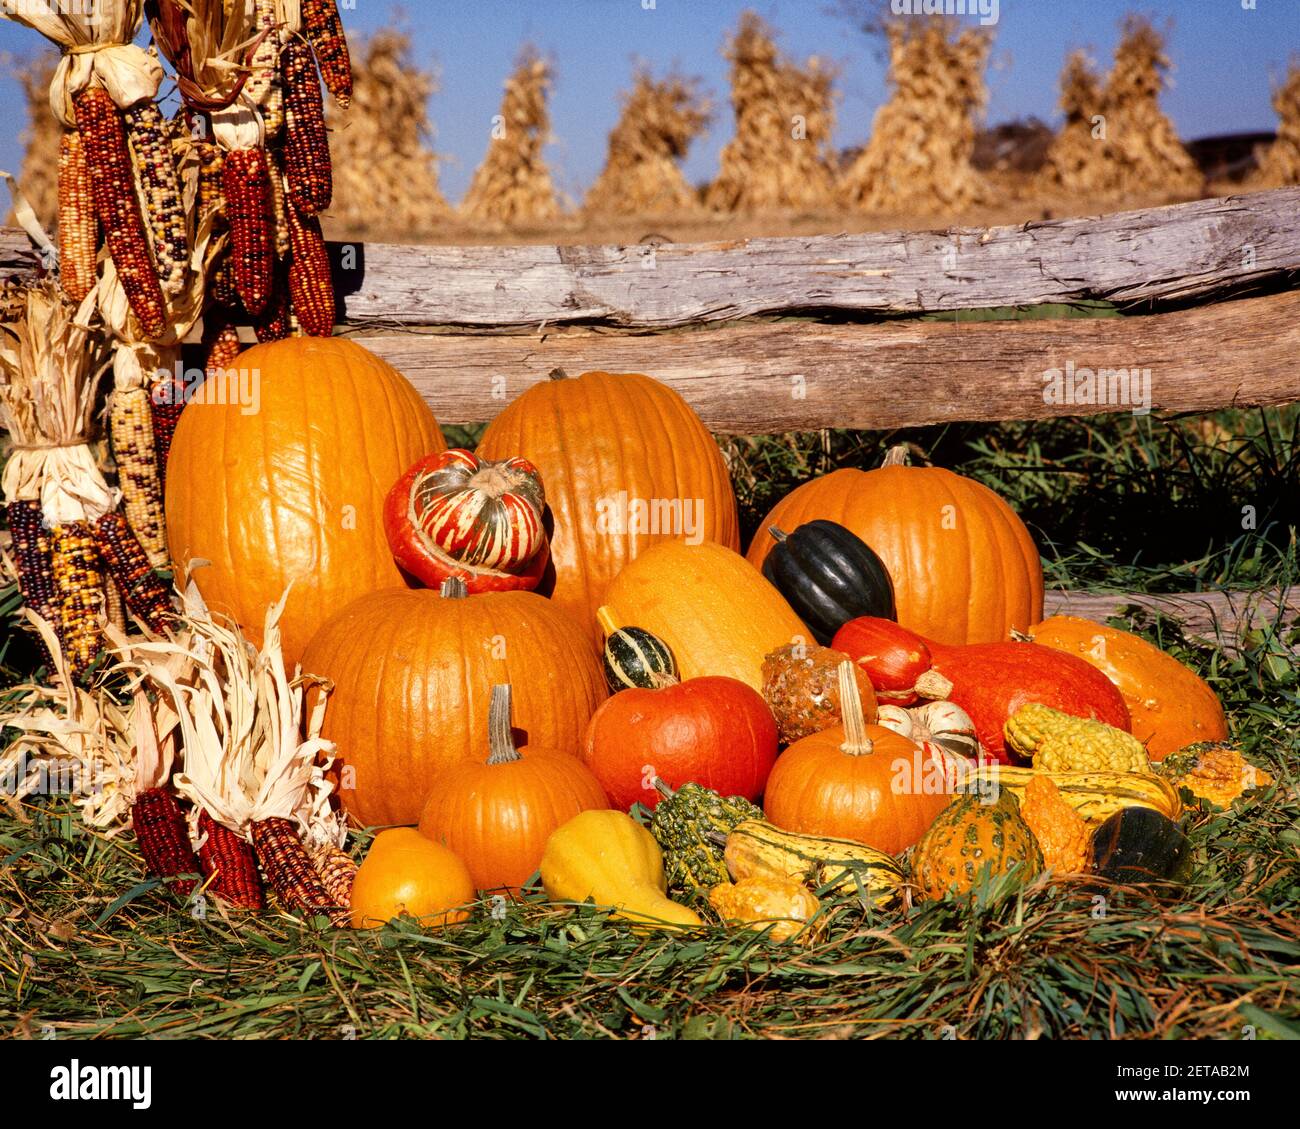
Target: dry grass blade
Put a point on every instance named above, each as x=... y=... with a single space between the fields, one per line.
x=512 y=186
x=780 y=156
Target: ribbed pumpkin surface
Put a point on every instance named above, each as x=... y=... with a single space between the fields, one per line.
x=964 y=567
x=601 y=440
x=715 y=611
x=1170 y=705
x=294 y=490
x=413 y=674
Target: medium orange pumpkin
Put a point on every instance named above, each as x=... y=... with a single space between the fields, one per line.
x=497 y=813
x=1170 y=705
x=413 y=671
x=964 y=567
x=857 y=781
x=626 y=463
x=717 y=613
x=291 y=486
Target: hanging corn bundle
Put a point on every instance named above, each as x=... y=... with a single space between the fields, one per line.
x=1281 y=164
x=780 y=156
x=50 y=363
x=513 y=186
x=923 y=138
x=642 y=173
x=104 y=88
x=384 y=166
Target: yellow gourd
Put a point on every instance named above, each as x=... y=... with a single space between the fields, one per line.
x=609 y=857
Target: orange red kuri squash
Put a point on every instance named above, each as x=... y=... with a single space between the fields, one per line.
x=857 y=781
x=497 y=813
x=964 y=567
x=717 y=614
x=413 y=671
x=627 y=464
x=1171 y=706
x=278 y=472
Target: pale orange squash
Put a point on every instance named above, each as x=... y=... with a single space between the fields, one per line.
x=626 y=464
x=715 y=611
x=288 y=483
x=964 y=567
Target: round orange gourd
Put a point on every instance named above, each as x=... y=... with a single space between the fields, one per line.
x=857 y=781
x=278 y=472
x=406 y=873
x=627 y=464
x=1170 y=705
x=413 y=671
x=716 y=612
x=497 y=813
x=964 y=567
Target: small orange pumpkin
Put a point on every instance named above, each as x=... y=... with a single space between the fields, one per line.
x=497 y=814
x=406 y=873
x=857 y=781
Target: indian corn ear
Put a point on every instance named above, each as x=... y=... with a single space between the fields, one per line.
x=306 y=144
x=160 y=830
x=145 y=594
x=289 y=868
x=77 y=230
x=79 y=587
x=117 y=207
x=228 y=861
x=311 y=290
x=337 y=870
x=1059 y=742
x=155 y=168
x=245 y=181
x=325 y=30
x=32 y=556
x=130 y=424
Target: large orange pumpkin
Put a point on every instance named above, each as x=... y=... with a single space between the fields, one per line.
x=1170 y=706
x=626 y=463
x=413 y=673
x=857 y=781
x=289 y=484
x=964 y=567
x=717 y=613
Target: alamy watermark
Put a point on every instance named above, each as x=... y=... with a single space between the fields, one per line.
x=1079 y=385
x=622 y=514
x=986 y=10
x=239 y=386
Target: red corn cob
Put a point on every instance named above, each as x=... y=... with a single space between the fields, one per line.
x=128 y=564
x=306 y=144
x=160 y=830
x=221 y=341
x=244 y=180
x=117 y=207
x=231 y=860
x=325 y=30
x=288 y=867
x=166 y=402
x=311 y=290
x=273 y=322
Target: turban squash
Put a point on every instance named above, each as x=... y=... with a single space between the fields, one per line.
x=963 y=565
x=627 y=464
x=292 y=488
x=413 y=672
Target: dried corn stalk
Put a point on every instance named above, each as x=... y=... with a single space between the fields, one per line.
x=513 y=185
x=1074 y=152
x=642 y=173
x=923 y=138
x=385 y=171
x=1281 y=164
x=41 y=140
x=780 y=156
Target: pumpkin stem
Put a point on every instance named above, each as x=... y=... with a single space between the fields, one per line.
x=777 y=535
x=856 y=742
x=605 y=617
x=501 y=745
x=1021 y=636
x=898 y=456
x=453 y=588
x=931 y=684
x=557 y=374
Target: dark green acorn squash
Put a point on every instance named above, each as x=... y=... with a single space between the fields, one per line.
x=691 y=826
x=829 y=576
x=1138 y=847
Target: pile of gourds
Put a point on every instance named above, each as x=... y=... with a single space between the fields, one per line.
x=550 y=658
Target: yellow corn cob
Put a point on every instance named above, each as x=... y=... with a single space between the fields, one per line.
x=117 y=207
x=325 y=30
x=1060 y=742
x=311 y=290
x=79 y=582
x=77 y=230
x=155 y=175
x=130 y=424
x=337 y=870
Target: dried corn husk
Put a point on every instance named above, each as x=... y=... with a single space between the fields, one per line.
x=513 y=184
x=780 y=156
x=923 y=138
x=1281 y=164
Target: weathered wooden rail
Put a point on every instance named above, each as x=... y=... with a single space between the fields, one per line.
x=767 y=335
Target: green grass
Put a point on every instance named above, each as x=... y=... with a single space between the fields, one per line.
x=88 y=949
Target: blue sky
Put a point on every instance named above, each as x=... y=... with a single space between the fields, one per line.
x=1226 y=57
